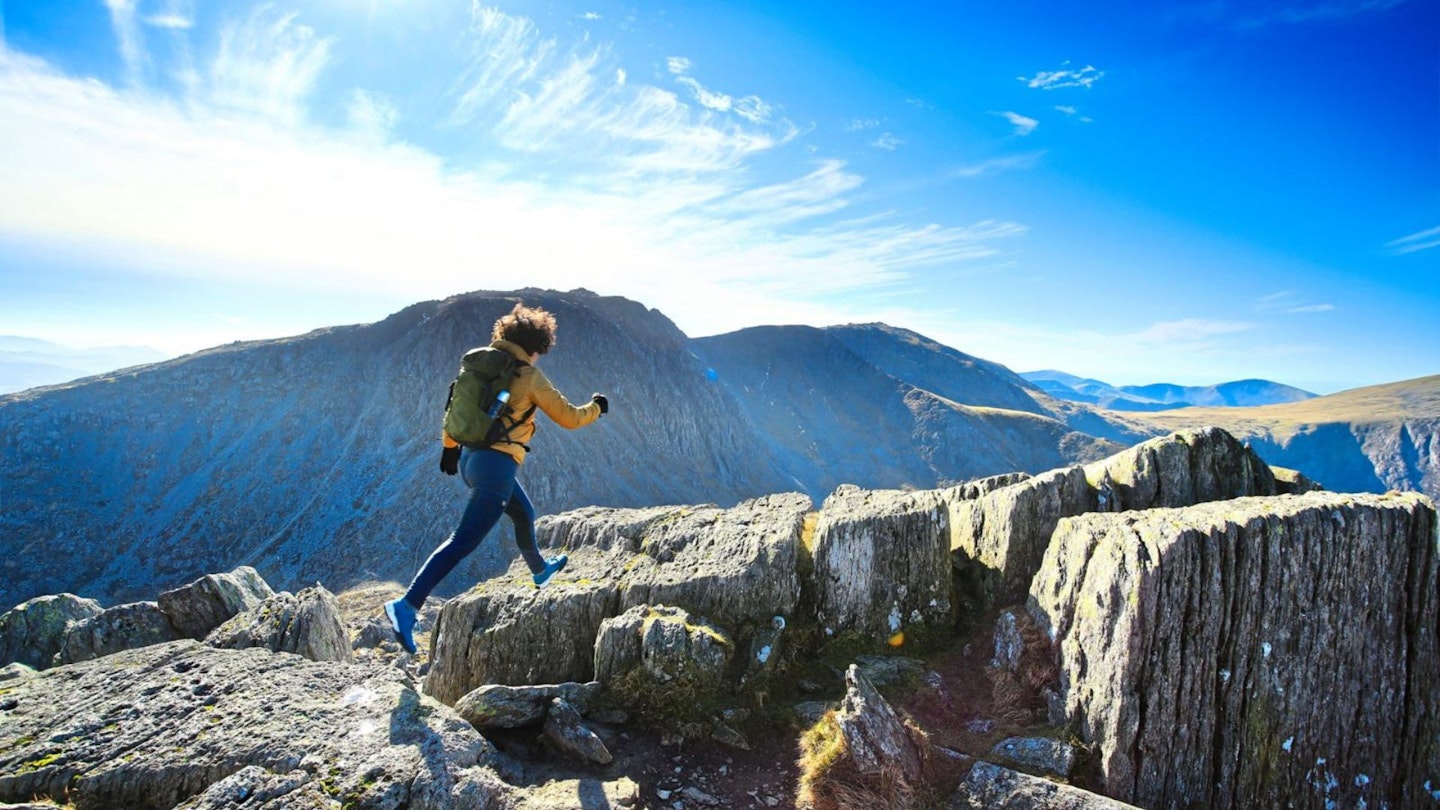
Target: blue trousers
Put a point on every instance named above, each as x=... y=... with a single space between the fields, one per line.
x=490 y=475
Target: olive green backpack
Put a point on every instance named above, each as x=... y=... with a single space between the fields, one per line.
x=478 y=401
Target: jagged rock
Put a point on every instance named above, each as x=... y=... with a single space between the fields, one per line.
x=32 y=632
x=970 y=490
x=881 y=563
x=1038 y=753
x=1000 y=538
x=568 y=733
x=725 y=735
x=887 y=670
x=861 y=755
x=307 y=624
x=15 y=671
x=499 y=706
x=875 y=738
x=123 y=627
x=1293 y=482
x=1009 y=644
x=736 y=566
x=209 y=601
x=1261 y=652
x=569 y=794
x=658 y=660
x=1182 y=469
x=155 y=726
x=991 y=787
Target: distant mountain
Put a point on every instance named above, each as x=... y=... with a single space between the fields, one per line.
x=1370 y=439
x=29 y=362
x=315 y=457
x=1163 y=396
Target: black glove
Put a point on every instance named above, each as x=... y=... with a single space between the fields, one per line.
x=600 y=400
x=450 y=460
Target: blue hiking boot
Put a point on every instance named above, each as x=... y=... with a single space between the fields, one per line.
x=402 y=621
x=552 y=567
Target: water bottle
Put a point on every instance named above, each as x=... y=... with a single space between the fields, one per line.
x=500 y=400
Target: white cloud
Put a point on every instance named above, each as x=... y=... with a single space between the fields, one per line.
x=886 y=141
x=590 y=15
x=1065 y=77
x=1064 y=108
x=1000 y=164
x=1024 y=125
x=677 y=65
x=1321 y=10
x=620 y=76
x=267 y=64
x=659 y=200
x=707 y=99
x=128 y=37
x=1290 y=302
x=1188 y=331
x=858 y=124
x=1415 y=242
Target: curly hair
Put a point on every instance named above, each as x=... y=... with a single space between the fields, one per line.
x=530 y=328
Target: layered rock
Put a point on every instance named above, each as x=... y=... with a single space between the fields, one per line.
x=1197 y=644
x=1002 y=535
x=154 y=727
x=736 y=567
x=307 y=624
x=123 y=627
x=32 y=632
x=659 y=660
x=209 y=601
x=881 y=565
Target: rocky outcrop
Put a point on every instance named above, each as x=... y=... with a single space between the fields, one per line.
x=157 y=726
x=1041 y=754
x=203 y=605
x=880 y=563
x=735 y=567
x=999 y=538
x=123 y=627
x=991 y=787
x=33 y=632
x=1196 y=645
x=657 y=661
x=307 y=624
x=565 y=730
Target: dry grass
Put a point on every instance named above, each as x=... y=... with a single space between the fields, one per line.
x=830 y=781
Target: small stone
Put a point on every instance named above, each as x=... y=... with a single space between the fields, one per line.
x=663 y=794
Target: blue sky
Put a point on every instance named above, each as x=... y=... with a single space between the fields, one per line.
x=1138 y=192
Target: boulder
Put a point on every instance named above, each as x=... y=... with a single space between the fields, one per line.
x=498 y=706
x=569 y=734
x=991 y=787
x=658 y=661
x=204 y=604
x=123 y=627
x=881 y=564
x=568 y=794
x=1182 y=469
x=307 y=624
x=255 y=787
x=160 y=725
x=1261 y=652
x=736 y=566
x=32 y=632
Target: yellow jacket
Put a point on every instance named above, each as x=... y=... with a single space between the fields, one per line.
x=531 y=390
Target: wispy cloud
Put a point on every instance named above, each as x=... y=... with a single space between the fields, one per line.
x=1064 y=77
x=1024 y=125
x=1415 y=242
x=886 y=141
x=1000 y=164
x=243 y=184
x=590 y=15
x=1188 y=331
x=858 y=124
x=128 y=37
x=1290 y=302
x=1316 y=11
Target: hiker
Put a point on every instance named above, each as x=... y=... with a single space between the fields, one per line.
x=525 y=334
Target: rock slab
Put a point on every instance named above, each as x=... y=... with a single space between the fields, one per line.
x=1261 y=652
x=991 y=787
